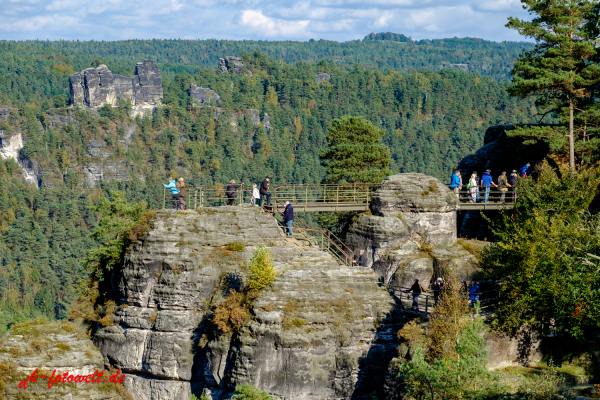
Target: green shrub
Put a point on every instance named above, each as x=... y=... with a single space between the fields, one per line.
x=235 y=247
x=261 y=270
x=249 y=392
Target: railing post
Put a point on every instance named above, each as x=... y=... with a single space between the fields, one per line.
x=367 y=197
x=306 y=199
x=426 y=303
x=164 y=197
x=337 y=197
x=242 y=196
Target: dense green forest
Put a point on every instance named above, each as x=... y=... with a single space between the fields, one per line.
x=431 y=118
x=31 y=71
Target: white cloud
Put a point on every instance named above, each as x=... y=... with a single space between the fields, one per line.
x=272 y=27
x=256 y=19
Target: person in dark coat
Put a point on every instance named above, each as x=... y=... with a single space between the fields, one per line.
x=231 y=192
x=512 y=180
x=362 y=259
x=264 y=192
x=288 y=217
x=437 y=289
x=182 y=193
x=416 y=289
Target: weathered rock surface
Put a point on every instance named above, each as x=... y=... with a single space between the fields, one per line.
x=502 y=153
x=4 y=113
x=323 y=77
x=94 y=87
x=321 y=331
x=411 y=232
x=10 y=148
x=203 y=95
x=231 y=64
x=60 y=346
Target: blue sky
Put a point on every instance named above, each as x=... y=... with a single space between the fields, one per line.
x=255 y=19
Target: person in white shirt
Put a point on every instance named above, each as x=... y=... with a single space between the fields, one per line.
x=255 y=194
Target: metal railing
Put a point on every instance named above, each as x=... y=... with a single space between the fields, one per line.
x=335 y=197
x=488 y=299
x=302 y=196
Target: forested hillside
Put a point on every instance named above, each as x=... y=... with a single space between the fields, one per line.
x=431 y=120
x=33 y=70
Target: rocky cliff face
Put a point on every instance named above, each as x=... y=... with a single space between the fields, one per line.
x=231 y=64
x=10 y=148
x=203 y=95
x=49 y=346
x=322 y=331
x=411 y=232
x=94 y=87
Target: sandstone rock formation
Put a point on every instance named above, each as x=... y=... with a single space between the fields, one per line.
x=231 y=64
x=4 y=113
x=48 y=346
x=411 y=232
x=10 y=148
x=322 y=76
x=322 y=331
x=502 y=153
x=266 y=121
x=203 y=95
x=94 y=87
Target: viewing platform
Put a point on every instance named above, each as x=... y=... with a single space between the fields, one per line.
x=336 y=198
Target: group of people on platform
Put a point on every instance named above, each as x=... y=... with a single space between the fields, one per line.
x=505 y=183
x=438 y=288
x=259 y=197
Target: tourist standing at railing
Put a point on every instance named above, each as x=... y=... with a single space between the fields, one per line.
x=288 y=217
x=512 y=179
x=231 y=192
x=255 y=195
x=473 y=293
x=486 y=182
x=456 y=183
x=472 y=188
x=437 y=289
x=416 y=290
x=524 y=172
x=503 y=185
x=264 y=192
x=182 y=187
x=174 y=191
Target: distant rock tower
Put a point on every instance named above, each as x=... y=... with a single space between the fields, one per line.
x=94 y=87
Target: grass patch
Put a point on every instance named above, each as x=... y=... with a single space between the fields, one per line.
x=235 y=247
x=63 y=347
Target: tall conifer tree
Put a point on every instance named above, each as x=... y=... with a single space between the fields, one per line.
x=557 y=70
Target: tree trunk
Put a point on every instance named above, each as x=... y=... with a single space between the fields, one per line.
x=571 y=138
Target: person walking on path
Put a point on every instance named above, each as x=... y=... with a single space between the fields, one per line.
x=264 y=192
x=473 y=293
x=362 y=259
x=231 y=192
x=512 y=180
x=182 y=193
x=172 y=185
x=437 y=289
x=486 y=182
x=524 y=172
x=288 y=217
x=472 y=188
x=255 y=195
x=416 y=289
x=456 y=183
x=503 y=185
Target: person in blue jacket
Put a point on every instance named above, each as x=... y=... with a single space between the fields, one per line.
x=174 y=191
x=473 y=293
x=456 y=183
x=487 y=181
x=524 y=172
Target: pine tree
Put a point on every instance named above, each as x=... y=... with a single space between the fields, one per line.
x=355 y=153
x=557 y=70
